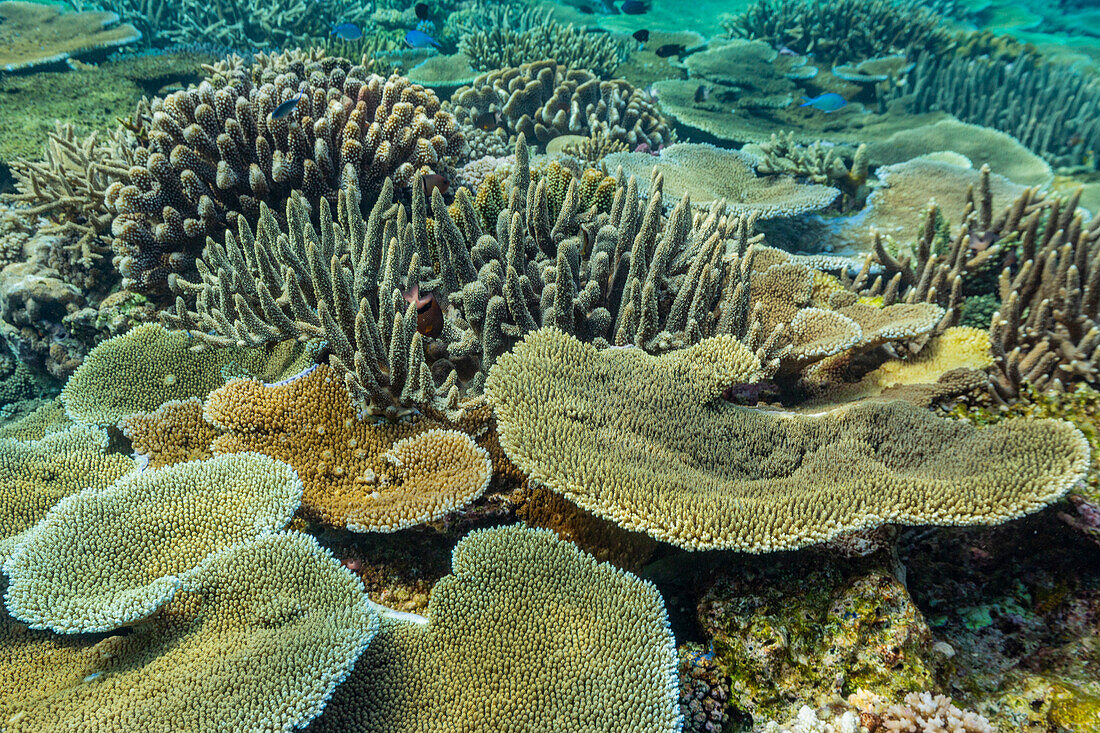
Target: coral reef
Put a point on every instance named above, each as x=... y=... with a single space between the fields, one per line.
x=516 y=598
x=840 y=167
x=33 y=35
x=216 y=154
x=173 y=433
x=544 y=99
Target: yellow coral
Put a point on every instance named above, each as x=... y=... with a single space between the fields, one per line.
x=959 y=346
x=528 y=633
x=48 y=418
x=258 y=641
x=173 y=433
x=104 y=558
x=624 y=436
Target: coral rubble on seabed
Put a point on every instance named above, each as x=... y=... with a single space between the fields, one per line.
x=549 y=366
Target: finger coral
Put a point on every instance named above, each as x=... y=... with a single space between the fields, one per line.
x=216 y=153
x=105 y=558
x=516 y=599
x=36 y=474
x=264 y=632
x=544 y=99
x=365 y=475
x=640 y=441
x=148 y=366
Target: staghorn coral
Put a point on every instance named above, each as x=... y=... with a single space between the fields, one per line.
x=707 y=174
x=214 y=154
x=505 y=36
x=109 y=557
x=264 y=632
x=590 y=150
x=173 y=433
x=516 y=598
x=148 y=366
x=33 y=35
x=842 y=31
x=36 y=474
x=837 y=166
x=544 y=99
x=1052 y=109
x=357 y=473
x=695 y=471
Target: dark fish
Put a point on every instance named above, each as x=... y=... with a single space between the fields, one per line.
x=429 y=311
x=634 y=7
x=701 y=94
x=670 y=49
x=828 y=102
x=347 y=31
x=285 y=108
x=420 y=39
x=432 y=181
x=586 y=9
x=423 y=11
x=641 y=36
x=487 y=121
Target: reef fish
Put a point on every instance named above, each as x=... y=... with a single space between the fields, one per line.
x=434 y=181
x=828 y=102
x=429 y=311
x=420 y=39
x=669 y=49
x=422 y=11
x=347 y=31
x=487 y=121
x=285 y=108
x=634 y=7
x=641 y=36
x=701 y=93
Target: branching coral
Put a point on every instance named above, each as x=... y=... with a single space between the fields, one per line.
x=837 y=166
x=516 y=598
x=663 y=454
x=214 y=154
x=544 y=99
x=505 y=37
x=841 y=31
x=105 y=558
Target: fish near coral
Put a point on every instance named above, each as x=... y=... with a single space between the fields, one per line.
x=634 y=7
x=702 y=92
x=420 y=39
x=641 y=36
x=347 y=32
x=669 y=49
x=286 y=107
x=434 y=181
x=423 y=12
x=429 y=311
x=828 y=102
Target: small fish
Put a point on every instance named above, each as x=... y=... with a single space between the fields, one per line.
x=641 y=36
x=634 y=7
x=422 y=11
x=432 y=181
x=429 y=311
x=93 y=676
x=285 y=108
x=669 y=49
x=702 y=92
x=420 y=39
x=705 y=655
x=784 y=51
x=347 y=31
x=487 y=121
x=828 y=102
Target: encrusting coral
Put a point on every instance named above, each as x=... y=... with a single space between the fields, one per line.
x=690 y=469
x=33 y=34
x=148 y=366
x=105 y=558
x=517 y=598
x=215 y=153
x=544 y=99
x=173 y=433
x=36 y=474
x=258 y=640
x=360 y=474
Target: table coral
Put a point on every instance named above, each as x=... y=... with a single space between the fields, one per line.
x=258 y=641
x=358 y=473
x=663 y=455
x=33 y=34
x=36 y=474
x=109 y=557
x=517 y=598
x=148 y=366
x=173 y=433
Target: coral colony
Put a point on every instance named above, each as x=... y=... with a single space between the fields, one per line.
x=566 y=366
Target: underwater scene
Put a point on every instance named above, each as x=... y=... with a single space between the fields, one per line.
x=550 y=366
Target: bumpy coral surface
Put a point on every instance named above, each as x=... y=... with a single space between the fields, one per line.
x=215 y=153
x=173 y=433
x=646 y=442
x=528 y=631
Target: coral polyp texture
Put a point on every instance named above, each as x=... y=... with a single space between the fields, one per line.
x=358 y=473
x=647 y=443
x=263 y=633
x=215 y=152
x=544 y=99
x=173 y=433
x=143 y=534
x=527 y=631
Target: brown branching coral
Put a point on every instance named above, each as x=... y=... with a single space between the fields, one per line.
x=665 y=455
x=544 y=99
x=214 y=153
x=835 y=166
x=505 y=37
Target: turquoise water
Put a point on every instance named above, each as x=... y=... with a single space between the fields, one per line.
x=633 y=366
